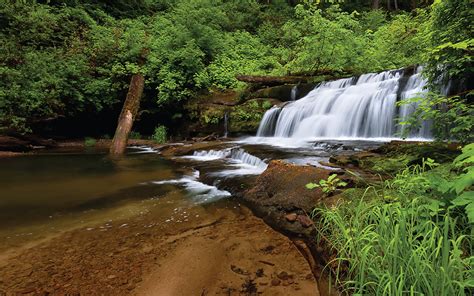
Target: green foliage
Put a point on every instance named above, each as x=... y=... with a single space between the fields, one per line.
x=389 y=249
x=451 y=27
x=452 y=118
x=410 y=237
x=89 y=142
x=63 y=58
x=160 y=134
x=267 y=105
x=328 y=186
x=458 y=191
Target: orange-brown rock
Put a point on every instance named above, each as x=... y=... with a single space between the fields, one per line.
x=284 y=185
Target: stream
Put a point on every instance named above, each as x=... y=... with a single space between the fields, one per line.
x=48 y=193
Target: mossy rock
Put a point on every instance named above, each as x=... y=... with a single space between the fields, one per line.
x=245 y=118
x=207 y=114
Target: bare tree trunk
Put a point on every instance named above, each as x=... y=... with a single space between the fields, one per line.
x=389 y=7
x=128 y=114
x=395 y=3
x=375 y=4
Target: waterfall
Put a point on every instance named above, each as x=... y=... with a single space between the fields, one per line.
x=363 y=107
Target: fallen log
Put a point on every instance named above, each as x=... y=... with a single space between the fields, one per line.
x=273 y=80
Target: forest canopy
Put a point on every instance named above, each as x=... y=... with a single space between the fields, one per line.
x=63 y=58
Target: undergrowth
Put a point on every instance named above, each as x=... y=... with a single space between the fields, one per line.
x=414 y=238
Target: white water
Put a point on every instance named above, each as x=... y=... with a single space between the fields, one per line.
x=244 y=163
x=363 y=108
x=201 y=193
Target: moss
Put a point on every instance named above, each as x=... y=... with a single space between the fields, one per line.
x=395 y=156
x=246 y=118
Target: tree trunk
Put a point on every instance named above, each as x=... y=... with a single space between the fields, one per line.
x=375 y=4
x=128 y=114
x=395 y=3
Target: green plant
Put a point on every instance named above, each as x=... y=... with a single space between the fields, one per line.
x=328 y=186
x=414 y=235
x=135 y=135
x=394 y=249
x=160 y=134
x=457 y=192
x=89 y=142
x=266 y=105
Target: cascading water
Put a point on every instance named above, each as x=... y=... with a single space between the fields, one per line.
x=247 y=163
x=363 y=107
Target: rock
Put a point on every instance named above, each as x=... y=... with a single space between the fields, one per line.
x=111 y=277
x=275 y=282
x=283 y=185
x=305 y=221
x=239 y=270
x=8 y=143
x=291 y=217
x=283 y=275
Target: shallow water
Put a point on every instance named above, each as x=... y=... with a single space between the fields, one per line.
x=45 y=194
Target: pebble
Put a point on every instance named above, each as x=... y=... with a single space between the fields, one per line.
x=283 y=275
x=275 y=282
x=291 y=217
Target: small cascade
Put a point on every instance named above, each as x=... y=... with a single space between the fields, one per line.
x=294 y=92
x=226 y=124
x=248 y=164
x=241 y=156
x=201 y=193
x=363 y=107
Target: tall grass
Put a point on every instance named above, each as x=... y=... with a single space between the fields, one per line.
x=399 y=247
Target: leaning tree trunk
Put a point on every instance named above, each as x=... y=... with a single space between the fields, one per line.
x=128 y=114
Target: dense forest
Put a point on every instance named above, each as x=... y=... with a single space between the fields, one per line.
x=64 y=62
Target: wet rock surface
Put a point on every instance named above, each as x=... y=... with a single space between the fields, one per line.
x=283 y=185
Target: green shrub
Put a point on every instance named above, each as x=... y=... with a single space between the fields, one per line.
x=135 y=135
x=89 y=142
x=160 y=134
